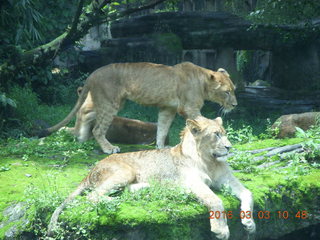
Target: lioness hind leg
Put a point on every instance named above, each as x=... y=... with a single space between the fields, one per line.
x=99 y=131
x=165 y=118
x=119 y=175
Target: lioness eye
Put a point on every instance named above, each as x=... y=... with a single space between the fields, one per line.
x=218 y=135
x=228 y=92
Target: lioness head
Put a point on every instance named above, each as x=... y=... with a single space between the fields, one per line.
x=210 y=137
x=221 y=89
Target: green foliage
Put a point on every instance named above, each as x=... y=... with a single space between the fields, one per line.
x=243 y=161
x=311 y=154
x=242 y=135
x=169 y=6
x=29 y=22
x=297 y=164
x=242 y=58
x=24 y=22
x=282 y=11
x=24 y=111
x=60 y=144
x=275 y=11
x=18 y=120
x=270 y=132
x=27 y=103
x=313 y=132
x=24 y=25
x=59 y=86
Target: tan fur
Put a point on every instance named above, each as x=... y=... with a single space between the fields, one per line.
x=121 y=130
x=181 y=88
x=287 y=124
x=197 y=163
x=85 y=119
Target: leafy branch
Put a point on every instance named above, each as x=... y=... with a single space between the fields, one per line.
x=82 y=22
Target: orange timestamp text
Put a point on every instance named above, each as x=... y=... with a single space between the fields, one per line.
x=258 y=215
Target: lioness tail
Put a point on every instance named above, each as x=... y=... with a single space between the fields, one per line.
x=55 y=215
x=81 y=99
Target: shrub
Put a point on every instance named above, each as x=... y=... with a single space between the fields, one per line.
x=242 y=135
x=17 y=118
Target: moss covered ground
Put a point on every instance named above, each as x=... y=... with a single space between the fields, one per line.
x=43 y=173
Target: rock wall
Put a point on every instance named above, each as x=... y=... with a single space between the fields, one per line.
x=297 y=68
x=211 y=39
x=257 y=65
x=279 y=100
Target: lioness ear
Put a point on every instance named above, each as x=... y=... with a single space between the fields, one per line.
x=219 y=120
x=224 y=72
x=79 y=90
x=214 y=81
x=193 y=126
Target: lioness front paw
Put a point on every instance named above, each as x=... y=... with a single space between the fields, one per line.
x=66 y=129
x=113 y=149
x=249 y=225
x=222 y=233
x=221 y=230
x=159 y=146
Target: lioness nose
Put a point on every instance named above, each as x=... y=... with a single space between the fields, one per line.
x=228 y=148
x=234 y=102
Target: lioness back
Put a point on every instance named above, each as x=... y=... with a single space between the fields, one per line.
x=144 y=83
x=156 y=164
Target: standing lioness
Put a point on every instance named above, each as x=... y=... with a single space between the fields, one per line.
x=199 y=161
x=181 y=88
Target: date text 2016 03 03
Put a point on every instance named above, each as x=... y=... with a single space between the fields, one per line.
x=258 y=215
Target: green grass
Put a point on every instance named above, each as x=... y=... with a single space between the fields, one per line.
x=260 y=144
x=43 y=175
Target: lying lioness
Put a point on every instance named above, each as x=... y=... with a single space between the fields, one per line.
x=196 y=163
